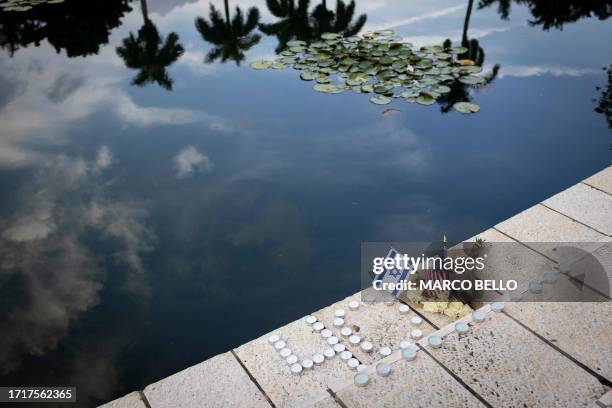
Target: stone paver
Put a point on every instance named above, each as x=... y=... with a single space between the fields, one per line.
x=418 y=383
x=509 y=259
x=509 y=367
x=273 y=374
x=585 y=204
x=131 y=400
x=541 y=224
x=601 y=180
x=328 y=402
x=582 y=330
x=378 y=323
x=603 y=402
x=599 y=264
x=217 y=382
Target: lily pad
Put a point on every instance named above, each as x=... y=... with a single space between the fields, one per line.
x=296 y=43
x=380 y=100
x=472 y=80
x=367 y=88
x=459 y=50
x=466 y=107
x=330 y=36
x=327 y=88
x=262 y=64
x=378 y=62
x=425 y=98
x=309 y=75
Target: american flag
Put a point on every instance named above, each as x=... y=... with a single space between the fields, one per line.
x=433 y=275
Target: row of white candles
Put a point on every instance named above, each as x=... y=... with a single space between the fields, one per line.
x=382 y=369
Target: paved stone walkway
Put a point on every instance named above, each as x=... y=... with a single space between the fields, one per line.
x=528 y=355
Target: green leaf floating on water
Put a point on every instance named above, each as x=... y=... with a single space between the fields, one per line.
x=459 y=50
x=330 y=36
x=381 y=63
x=425 y=98
x=380 y=100
x=472 y=80
x=309 y=75
x=296 y=43
x=279 y=65
x=327 y=88
x=262 y=64
x=466 y=107
x=367 y=88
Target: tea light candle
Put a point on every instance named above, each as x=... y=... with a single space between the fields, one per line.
x=416 y=320
x=384 y=351
x=369 y=297
x=366 y=346
x=478 y=316
x=345 y=355
x=416 y=334
x=404 y=309
x=284 y=353
x=329 y=352
x=409 y=354
x=318 y=359
x=340 y=313
x=291 y=360
x=354 y=339
x=338 y=322
x=279 y=345
x=383 y=369
x=361 y=367
x=389 y=301
x=361 y=379
x=273 y=338
x=310 y=319
x=461 y=328
x=434 y=341
x=353 y=363
x=346 y=331
x=404 y=344
x=536 y=287
x=318 y=326
x=307 y=363
x=338 y=348
x=497 y=306
x=296 y=368
x=332 y=340
x=326 y=333
x=353 y=305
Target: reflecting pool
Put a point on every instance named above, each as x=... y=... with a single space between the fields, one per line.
x=162 y=202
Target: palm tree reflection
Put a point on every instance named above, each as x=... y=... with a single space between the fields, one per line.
x=604 y=105
x=554 y=14
x=297 y=23
x=325 y=20
x=231 y=37
x=461 y=92
x=78 y=27
x=149 y=53
x=293 y=23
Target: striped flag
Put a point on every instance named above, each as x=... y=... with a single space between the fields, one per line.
x=395 y=275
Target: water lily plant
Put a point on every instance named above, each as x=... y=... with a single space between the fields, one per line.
x=382 y=64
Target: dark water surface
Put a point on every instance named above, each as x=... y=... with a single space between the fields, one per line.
x=144 y=229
